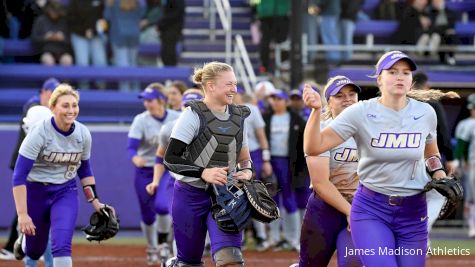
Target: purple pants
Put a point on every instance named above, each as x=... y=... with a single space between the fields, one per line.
x=144 y=176
x=256 y=157
x=397 y=225
x=162 y=195
x=286 y=196
x=323 y=231
x=191 y=215
x=302 y=194
x=53 y=209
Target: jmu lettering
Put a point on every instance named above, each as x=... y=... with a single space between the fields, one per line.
x=397 y=140
x=59 y=157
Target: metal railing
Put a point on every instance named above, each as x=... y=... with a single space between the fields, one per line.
x=243 y=67
x=369 y=47
x=223 y=8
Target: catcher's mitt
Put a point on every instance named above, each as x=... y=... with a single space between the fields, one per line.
x=271 y=184
x=102 y=225
x=230 y=208
x=451 y=189
x=264 y=207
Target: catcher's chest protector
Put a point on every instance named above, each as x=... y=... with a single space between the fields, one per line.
x=219 y=141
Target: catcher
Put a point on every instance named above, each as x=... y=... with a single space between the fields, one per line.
x=206 y=144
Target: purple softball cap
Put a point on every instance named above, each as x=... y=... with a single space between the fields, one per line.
x=338 y=84
x=280 y=94
x=50 y=84
x=295 y=92
x=190 y=96
x=150 y=94
x=391 y=58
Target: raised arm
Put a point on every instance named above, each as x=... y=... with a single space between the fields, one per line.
x=317 y=141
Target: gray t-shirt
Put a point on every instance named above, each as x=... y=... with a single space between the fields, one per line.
x=253 y=122
x=279 y=135
x=343 y=165
x=390 y=144
x=57 y=157
x=465 y=130
x=146 y=128
x=186 y=129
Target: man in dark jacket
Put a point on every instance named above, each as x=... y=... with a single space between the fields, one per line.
x=170 y=26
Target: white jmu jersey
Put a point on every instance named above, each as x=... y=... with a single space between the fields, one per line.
x=390 y=144
x=146 y=128
x=343 y=165
x=57 y=157
x=465 y=130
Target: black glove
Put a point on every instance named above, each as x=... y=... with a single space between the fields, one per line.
x=102 y=225
x=451 y=189
x=264 y=207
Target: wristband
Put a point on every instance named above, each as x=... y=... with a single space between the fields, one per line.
x=158 y=160
x=433 y=164
x=90 y=192
x=266 y=155
x=246 y=165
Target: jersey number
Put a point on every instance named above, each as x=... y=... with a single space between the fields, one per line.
x=71 y=172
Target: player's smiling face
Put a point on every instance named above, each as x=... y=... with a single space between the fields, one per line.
x=66 y=110
x=346 y=97
x=396 y=80
x=224 y=88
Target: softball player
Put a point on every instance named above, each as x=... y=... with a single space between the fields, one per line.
x=205 y=156
x=34 y=115
x=465 y=133
x=164 y=193
x=44 y=189
x=395 y=137
x=334 y=181
x=142 y=144
x=285 y=131
x=260 y=155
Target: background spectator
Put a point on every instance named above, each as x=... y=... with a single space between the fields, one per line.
x=170 y=26
x=51 y=36
x=442 y=29
x=124 y=17
x=348 y=18
x=275 y=24
x=414 y=22
x=329 y=11
x=389 y=10
x=88 y=46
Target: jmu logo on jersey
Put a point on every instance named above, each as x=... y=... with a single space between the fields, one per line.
x=397 y=140
x=59 y=157
x=348 y=155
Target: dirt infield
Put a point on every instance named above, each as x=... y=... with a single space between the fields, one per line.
x=96 y=255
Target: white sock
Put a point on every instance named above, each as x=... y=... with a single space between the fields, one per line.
x=164 y=223
x=150 y=233
x=63 y=262
x=260 y=229
x=291 y=228
x=274 y=231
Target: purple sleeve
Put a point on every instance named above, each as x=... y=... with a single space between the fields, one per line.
x=23 y=166
x=85 y=169
x=132 y=147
